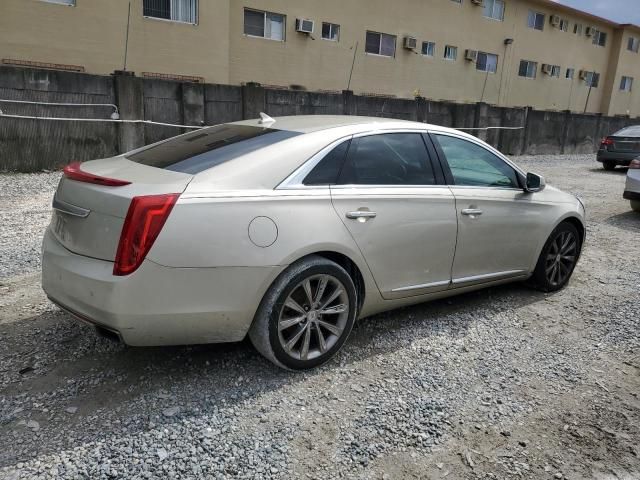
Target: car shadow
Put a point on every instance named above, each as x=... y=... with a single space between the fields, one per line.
x=52 y=358
x=617 y=171
x=629 y=221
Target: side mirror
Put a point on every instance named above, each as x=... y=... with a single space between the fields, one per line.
x=534 y=183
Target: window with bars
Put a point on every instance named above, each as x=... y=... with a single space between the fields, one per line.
x=176 y=10
x=487 y=62
x=528 y=69
x=381 y=44
x=494 y=9
x=626 y=83
x=264 y=24
x=330 y=31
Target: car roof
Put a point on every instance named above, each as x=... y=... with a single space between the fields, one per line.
x=316 y=123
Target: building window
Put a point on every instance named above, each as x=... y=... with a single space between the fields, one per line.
x=264 y=24
x=487 y=62
x=570 y=73
x=330 y=31
x=634 y=44
x=626 y=83
x=381 y=44
x=450 y=52
x=176 y=10
x=564 y=25
x=456 y=1
x=555 y=71
x=600 y=38
x=577 y=29
x=71 y=3
x=428 y=49
x=592 y=79
x=528 y=69
x=536 y=20
x=494 y=9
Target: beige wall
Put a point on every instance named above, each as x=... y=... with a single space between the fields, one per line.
x=92 y=34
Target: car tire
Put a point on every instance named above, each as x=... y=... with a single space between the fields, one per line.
x=635 y=205
x=609 y=165
x=306 y=315
x=558 y=259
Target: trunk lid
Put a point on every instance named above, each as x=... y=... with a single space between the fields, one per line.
x=88 y=218
x=625 y=144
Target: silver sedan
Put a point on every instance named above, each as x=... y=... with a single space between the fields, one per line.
x=289 y=230
x=632 y=187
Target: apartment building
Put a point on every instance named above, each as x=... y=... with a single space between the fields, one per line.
x=505 y=52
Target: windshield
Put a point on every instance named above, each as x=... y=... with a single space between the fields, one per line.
x=207 y=148
x=628 y=132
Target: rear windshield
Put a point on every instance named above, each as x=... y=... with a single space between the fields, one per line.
x=628 y=132
x=207 y=148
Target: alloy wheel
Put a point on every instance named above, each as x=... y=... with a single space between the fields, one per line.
x=313 y=317
x=561 y=258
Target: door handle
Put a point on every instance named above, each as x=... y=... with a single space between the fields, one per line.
x=361 y=215
x=472 y=212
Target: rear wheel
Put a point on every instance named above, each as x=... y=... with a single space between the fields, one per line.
x=307 y=314
x=558 y=259
x=635 y=205
x=609 y=165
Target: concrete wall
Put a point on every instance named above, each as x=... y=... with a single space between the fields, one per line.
x=32 y=145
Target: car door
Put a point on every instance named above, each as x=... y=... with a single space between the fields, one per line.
x=499 y=224
x=399 y=212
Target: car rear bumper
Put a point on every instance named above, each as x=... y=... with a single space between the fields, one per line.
x=156 y=305
x=620 y=158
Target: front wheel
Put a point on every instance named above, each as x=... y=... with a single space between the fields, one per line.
x=307 y=314
x=558 y=259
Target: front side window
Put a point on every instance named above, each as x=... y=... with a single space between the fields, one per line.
x=535 y=20
x=626 y=83
x=450 y=52
x=388 y=159
x=473 y=165
x=207 y=148
x=494 y=9
x=330 y=31
x=428 y=49
x=633 y=45
x=487 y=62
x=264 y=24
x=381 y=44
x=327 y=170
x=177 y=10
x=600 y=38
x=528 y=69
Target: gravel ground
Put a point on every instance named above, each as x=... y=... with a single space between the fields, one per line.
x=501 y=383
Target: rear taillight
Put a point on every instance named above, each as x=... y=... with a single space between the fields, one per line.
x=145 y=219
x=606 y=141
x=635 y=164
x=74 y=172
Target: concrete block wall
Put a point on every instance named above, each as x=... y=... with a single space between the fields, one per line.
x=31 y=145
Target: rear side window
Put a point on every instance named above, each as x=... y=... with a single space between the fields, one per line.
x=628 y=132
x=388 y=159
x=327 y=170
x=209 y=147
x=472 y=165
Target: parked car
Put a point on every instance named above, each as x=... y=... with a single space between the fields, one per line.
x=619 y=148
x=632 y=188
x=289 y=230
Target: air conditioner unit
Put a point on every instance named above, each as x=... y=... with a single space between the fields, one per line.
x=410 y=43
x=555 y=20
x=584 y=74
x=590 y=31
x=478 y=2
x=304 y=26
x=471 y=55
x=546 y=68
